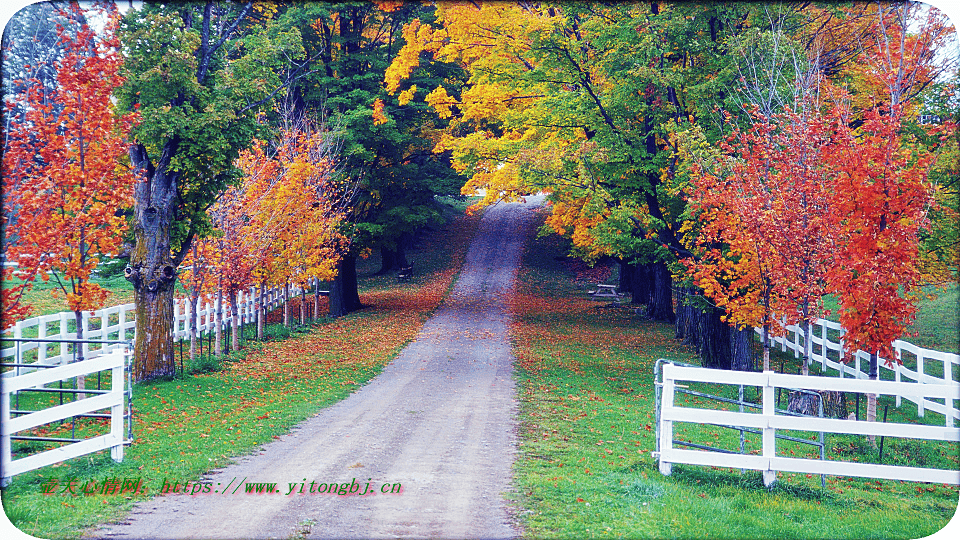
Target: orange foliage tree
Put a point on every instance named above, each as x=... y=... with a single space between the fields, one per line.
x=282 y=225
x=64 y=175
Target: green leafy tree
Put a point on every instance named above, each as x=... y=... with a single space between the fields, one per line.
x=200 y=74
x=387 y=142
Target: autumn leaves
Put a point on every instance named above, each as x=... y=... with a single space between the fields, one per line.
x=61 y=177
x=767 y=155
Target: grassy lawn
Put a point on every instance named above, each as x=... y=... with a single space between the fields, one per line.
x=219 y=410
x=585 y=378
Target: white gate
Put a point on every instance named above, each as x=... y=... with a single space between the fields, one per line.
x=768 y=422
x=116 y=399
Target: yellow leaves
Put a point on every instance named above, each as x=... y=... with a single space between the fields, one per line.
x=440 y=101
x=407 y=95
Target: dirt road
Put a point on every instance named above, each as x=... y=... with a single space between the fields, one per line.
x=437 y=426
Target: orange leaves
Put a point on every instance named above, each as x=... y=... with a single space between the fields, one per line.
x=378 y=116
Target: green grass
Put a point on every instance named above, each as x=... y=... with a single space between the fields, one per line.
x=223 y=408
x=585 y=380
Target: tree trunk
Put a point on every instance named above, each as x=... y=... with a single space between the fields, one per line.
x=152 y=271
x=392 y=260
x=344 y=297
x=640 y=283
x=303 y=304
x=715 y=345
x=765 y=336
x=741 y=350
x=686 y=321
x=661 y=305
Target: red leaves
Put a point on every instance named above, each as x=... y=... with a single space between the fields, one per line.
x=810 y=207
x=63 y=173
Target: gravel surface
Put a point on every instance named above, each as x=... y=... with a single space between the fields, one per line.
x=437 y=427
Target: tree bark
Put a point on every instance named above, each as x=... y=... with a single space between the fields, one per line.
x=640 y=283
x=152 y=270
x=661 y=305
x=303 y=304
x=344 y=296
x=286 y=305
x=686 y=319
x=741 y=350
x=715 y=345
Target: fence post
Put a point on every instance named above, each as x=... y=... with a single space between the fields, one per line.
x=41 y=346
x=923 y=399
x=769 y=433
x=666 y=426
x=5 y=450
x=824 y=349
x=64 y=355
x=116 y=411
x=896 y=366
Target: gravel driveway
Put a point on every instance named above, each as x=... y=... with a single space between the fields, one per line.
x=431 y=440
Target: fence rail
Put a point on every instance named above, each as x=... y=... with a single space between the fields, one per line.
x=918 y=364
x=118 y=323
x=14 y=421
x=768 y=422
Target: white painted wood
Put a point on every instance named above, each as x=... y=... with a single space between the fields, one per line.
x=768 y=422
x=62 y=453
x=46 y=376
x=60 y=412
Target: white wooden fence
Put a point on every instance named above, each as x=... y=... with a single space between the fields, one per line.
x=918 y=363
x=12 y=422
x=117 y=323
x=768 y=422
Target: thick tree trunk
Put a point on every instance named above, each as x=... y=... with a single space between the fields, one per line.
x=640 y=283
x=344 y=296
x=152 y=271
x=392 y=260
x=715 y=345
x=686 y=321
x=741 y=350
x=661 y=305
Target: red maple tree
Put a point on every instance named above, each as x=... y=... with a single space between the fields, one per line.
x=63 y=170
